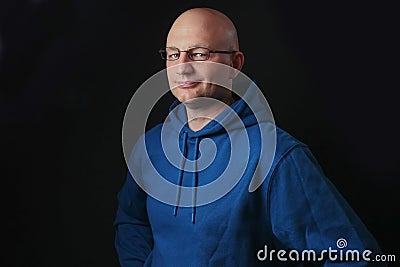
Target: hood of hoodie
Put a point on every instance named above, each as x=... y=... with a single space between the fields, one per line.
x=249 y=110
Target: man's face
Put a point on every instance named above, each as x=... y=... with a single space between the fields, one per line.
x=187 y=80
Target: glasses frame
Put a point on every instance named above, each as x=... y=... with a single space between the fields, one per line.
x=164 y=50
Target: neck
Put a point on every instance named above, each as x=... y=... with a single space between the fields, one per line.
x=203 y=110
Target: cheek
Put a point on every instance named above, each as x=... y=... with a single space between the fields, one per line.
x=169 y=63
x=219 y=75
x=171 y=74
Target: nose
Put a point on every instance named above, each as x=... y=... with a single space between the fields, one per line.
x=184 y=64
x=184 y=57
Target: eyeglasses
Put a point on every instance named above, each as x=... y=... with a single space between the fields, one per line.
x=195 y=53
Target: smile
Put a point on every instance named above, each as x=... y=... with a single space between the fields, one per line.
x=187 y=84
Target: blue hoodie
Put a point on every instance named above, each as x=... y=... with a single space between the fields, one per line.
x=295 y=208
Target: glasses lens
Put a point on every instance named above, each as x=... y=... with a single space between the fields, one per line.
x=199 y=54
x=171 y=53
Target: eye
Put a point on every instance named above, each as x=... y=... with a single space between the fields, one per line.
x=199 y=55
x=173 y=56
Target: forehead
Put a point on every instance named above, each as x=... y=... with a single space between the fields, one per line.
x=191 y=33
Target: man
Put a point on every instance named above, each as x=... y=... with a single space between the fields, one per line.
x=295 y=207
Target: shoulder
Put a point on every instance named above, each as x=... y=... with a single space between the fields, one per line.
x=286 y=144
x=155 y=131
x=291 y=155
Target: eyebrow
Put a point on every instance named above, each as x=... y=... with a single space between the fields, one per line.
x=191 y=46
x=200 y=45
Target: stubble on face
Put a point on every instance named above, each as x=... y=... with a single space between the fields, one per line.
x=197 y=27
x=205 y=89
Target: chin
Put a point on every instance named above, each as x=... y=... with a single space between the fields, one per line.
x=186 y=96
x=187 y=100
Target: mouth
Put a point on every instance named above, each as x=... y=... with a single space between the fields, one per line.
x=187 y=84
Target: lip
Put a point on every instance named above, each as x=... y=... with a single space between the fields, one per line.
x=187 y=84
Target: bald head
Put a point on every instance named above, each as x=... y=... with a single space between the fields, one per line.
x=206 y=28
x=203 y=27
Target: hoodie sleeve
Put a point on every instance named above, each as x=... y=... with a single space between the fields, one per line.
x=133 y=238
x=308 y=213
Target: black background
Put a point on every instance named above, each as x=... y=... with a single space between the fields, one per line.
x=69 y=68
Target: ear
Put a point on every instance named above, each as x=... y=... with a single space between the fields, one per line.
x=237 y=63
